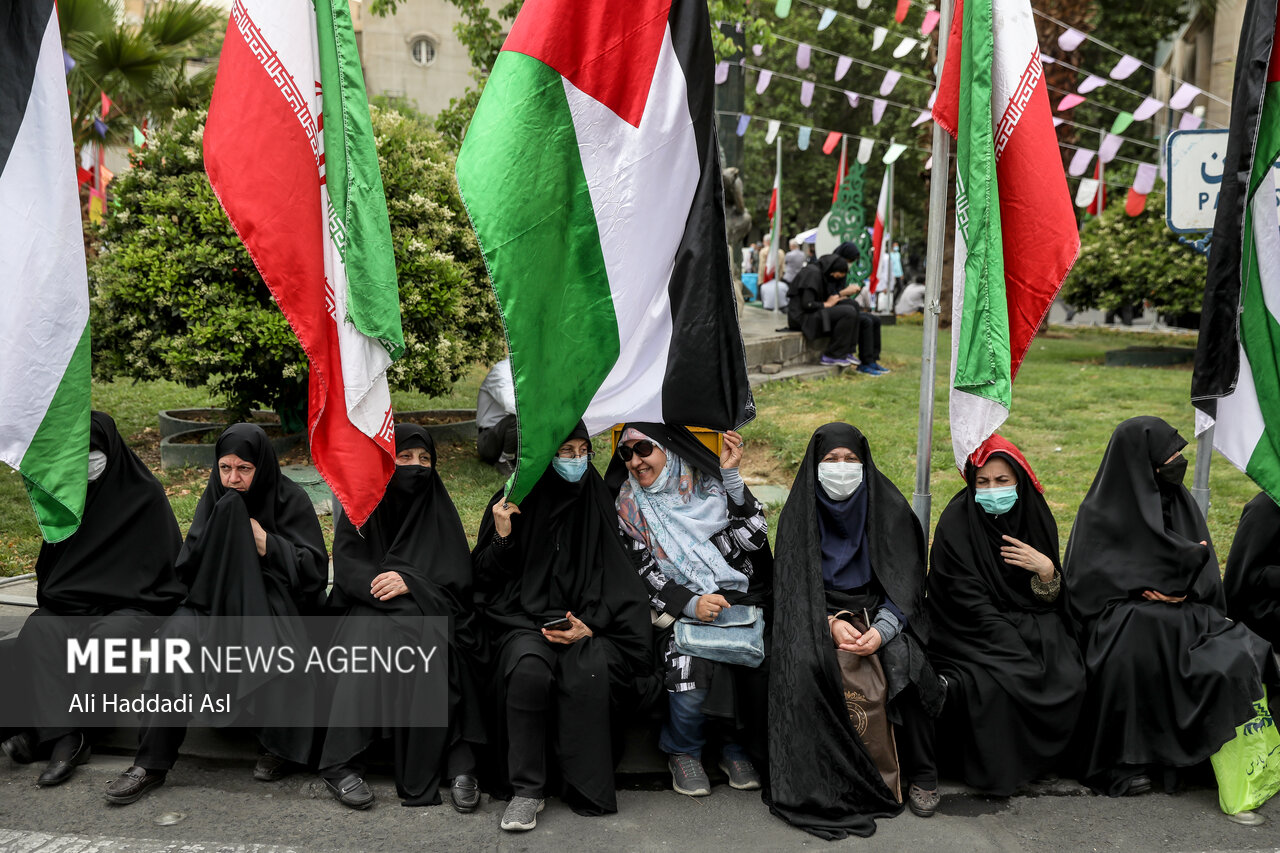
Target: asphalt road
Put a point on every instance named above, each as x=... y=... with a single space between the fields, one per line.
x=211 y=807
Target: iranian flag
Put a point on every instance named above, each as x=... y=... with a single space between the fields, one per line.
x=1237 y=371
x=773 y=196
x=592 y=177
x=44 y=381
x=290 y=153
x=880 y=238
x=1016 y=236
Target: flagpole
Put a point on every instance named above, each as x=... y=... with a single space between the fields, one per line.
x=1200 y=484
x=888 y=237
x=937 y=235
x=774 y=242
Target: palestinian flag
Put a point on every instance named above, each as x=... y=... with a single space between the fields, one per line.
x=290 y=153
x=44 y=383
x=592 y=176
x=1237 y=370
x=1016 y=236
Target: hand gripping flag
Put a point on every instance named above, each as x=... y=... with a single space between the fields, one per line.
x=1016 y=236
x=44 y=381
x=290 y=153
x=592 y=177
x=1237 y=371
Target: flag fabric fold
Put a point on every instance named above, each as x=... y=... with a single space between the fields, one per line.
x=1016 y=236
x=290 y=153
x=44 y=386
x=1236 y=382
x=612 y=271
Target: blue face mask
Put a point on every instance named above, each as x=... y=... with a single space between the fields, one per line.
x=571 y=469
x=997 y=501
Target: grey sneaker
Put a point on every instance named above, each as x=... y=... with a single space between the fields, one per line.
x=688 y=776
x=742 y=774
x=522 y=814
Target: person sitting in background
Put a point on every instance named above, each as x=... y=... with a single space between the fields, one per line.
x=496 y=438
x=409 y=561
x=819 y=306
x=112 y=578
x=911 y=301
x=571 y=640
x=868 y=329
x=1170 y=677
x=1252 y=579
x=1001 y=639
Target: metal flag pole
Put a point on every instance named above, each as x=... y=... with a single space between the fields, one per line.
x=888 y=239
x=774 y=244
x=938 y=188
x=1200 y=484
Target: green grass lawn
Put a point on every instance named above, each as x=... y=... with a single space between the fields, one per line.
x=1066 y=403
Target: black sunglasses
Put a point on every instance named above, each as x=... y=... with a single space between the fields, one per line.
x=640 y=448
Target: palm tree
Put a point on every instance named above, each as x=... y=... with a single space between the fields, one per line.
x=142 y=68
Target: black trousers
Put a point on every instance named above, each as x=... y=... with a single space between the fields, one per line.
x=158 y=746
x=852 y=328
x=498 y=439
x=529 y=689
x=915 y=742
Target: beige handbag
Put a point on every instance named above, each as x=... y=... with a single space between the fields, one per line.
x=865 y=690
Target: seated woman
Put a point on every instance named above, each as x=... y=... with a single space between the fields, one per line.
x=254 y=561
x=1170 y=677
x=818 y=305
x=112 y=578
x=847 y=543
x=700 y=544
x=1000 y=635
x=565 y=614
x=409 y=561
x=1252 y=580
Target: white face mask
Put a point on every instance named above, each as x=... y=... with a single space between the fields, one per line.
x=97 y=464
x=839 y=479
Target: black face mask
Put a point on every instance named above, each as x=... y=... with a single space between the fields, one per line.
x=1173 y=472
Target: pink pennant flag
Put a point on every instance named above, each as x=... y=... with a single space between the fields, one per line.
x=890 y=80
x=1080 y=162
x=1190 y=121
x=722 y=72
x=1145 y=179
x=1093 y=81
x=1069 y=101
x=1126 y=66
x=922 y=118
x=931 y=19
x=762 y=82
x=877 y=110
x=1110 y=147
x=853 y=98
x=1147 y=109
x=842 y=67
x=833 y=139
x=806 y=92
x=802 y=56
x=1184 y=96
x=1070 y=40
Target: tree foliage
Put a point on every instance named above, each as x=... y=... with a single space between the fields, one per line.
x=175 y=295
x=1130 y=260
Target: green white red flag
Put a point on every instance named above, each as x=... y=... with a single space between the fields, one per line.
x=290 y=152
x=44 y=381
x=1237 y=372
x=591 y=174
x=1016 y=236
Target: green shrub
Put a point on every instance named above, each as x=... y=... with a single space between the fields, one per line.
x=175 y=295
x=1128 y=260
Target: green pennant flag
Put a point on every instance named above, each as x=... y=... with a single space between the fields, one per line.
x=138 y=138
x=1122 y=122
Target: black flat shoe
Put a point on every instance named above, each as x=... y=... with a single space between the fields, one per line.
x=60 y=770
x=351 y=791
x=1138 y=786
x=465 y=794
x=19 y=748
x=271 y=768
x=130 y=785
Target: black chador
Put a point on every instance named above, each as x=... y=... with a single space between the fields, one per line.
x=1252 y=580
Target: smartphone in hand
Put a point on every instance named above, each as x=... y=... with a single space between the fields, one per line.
x=561 y=624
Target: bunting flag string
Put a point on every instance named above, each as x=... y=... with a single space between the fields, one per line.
x=807 y=131
x=843 y=62
x=1149 y=105
x=853 y=97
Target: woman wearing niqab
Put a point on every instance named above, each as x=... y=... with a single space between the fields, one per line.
x=859 y=549
x=409 y=561
x=1015 y=677
x=112 y=578
x=1252 y=579
x=254 y=562
x=1170 y=677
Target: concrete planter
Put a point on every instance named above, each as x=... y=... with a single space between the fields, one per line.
x=173 y=421
x=178 y=451
x=444 y=424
